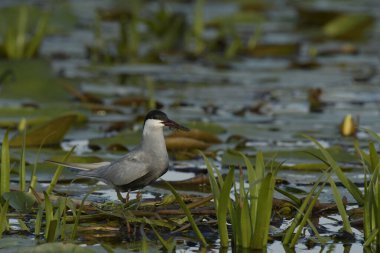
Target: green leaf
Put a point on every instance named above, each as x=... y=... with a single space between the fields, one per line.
x=56 y=247
x=21 y=201
x=58 y=172
x=341 y=208
x=188 y=214
x=3 y=217
x=298 y=217
x=306 y=216
x=48 y=215
x=224 y=201
x=348 y=26
x=168 y=245
x=351 y=187
x=5 y=166
x=22 y=164
x=263 y=215
x=371 y=238
x=49 y=133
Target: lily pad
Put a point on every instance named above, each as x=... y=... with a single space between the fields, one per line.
x=294 y=156
x=275 y=50
x=57 y=247
x=184 y=143
x=33 y=79
x=21 y=201
x=49 y=133
x=206 y=126
x=197 y=135
x=348 y=26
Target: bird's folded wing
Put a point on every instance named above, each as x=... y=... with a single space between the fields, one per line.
x=82 y=166
x=124 y=172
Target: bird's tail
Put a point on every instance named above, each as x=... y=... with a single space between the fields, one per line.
x=80 y=166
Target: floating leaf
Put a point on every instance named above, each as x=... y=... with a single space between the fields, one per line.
x=205 y=126
x=56 y=247
x=183 y=143
x=275 y=50
x=348 y=26
x=198 y=135
x=34 y=79
x=21 y=201
x=49 y=133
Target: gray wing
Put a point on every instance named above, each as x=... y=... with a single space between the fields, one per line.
x=122 y=171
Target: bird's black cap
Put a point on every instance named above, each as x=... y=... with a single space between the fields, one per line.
x=156 y=114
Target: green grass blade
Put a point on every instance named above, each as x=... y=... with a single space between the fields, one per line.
x=245 y=223
x=214 y=185
x=298 y=217
x=224 y=202
x=373 y=134
x=78 y=214
x=38 y=221
x=48 y=216
x=39 y=34
x=306 y=216
x=341 y=208
x=371 y=238
x=167 y=245
x=51 y=228
x=33 y=177
x=264 y=213
x=374 y=157
x=254 y=187
x=144 y=245
x=5 y=166
x=58 y=172
x=351 y=187
x=3 y=217
x=320 y=239
x=22 y=164
x=198 y=26
x=290 y=196
x=23 y=225
x=188 y=214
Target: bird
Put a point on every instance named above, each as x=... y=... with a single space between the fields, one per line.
x=141 y=166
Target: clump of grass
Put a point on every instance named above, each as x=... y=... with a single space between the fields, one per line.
x=17 y=39
x=250 y=212
x=371 y=207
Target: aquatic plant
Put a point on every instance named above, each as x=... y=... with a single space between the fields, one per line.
x=18 y=39
x=371 y=207
x=250 y=224
x=5 y=166
x=303 y=213
x=188 y=215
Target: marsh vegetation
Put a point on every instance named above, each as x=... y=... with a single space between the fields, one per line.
x=282 y=103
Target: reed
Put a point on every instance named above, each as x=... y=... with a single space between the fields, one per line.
x=371 y=207
x=18 y=41
x=250 y=211
x=5 y=166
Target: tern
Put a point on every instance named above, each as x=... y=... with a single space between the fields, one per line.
x=141 y=166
